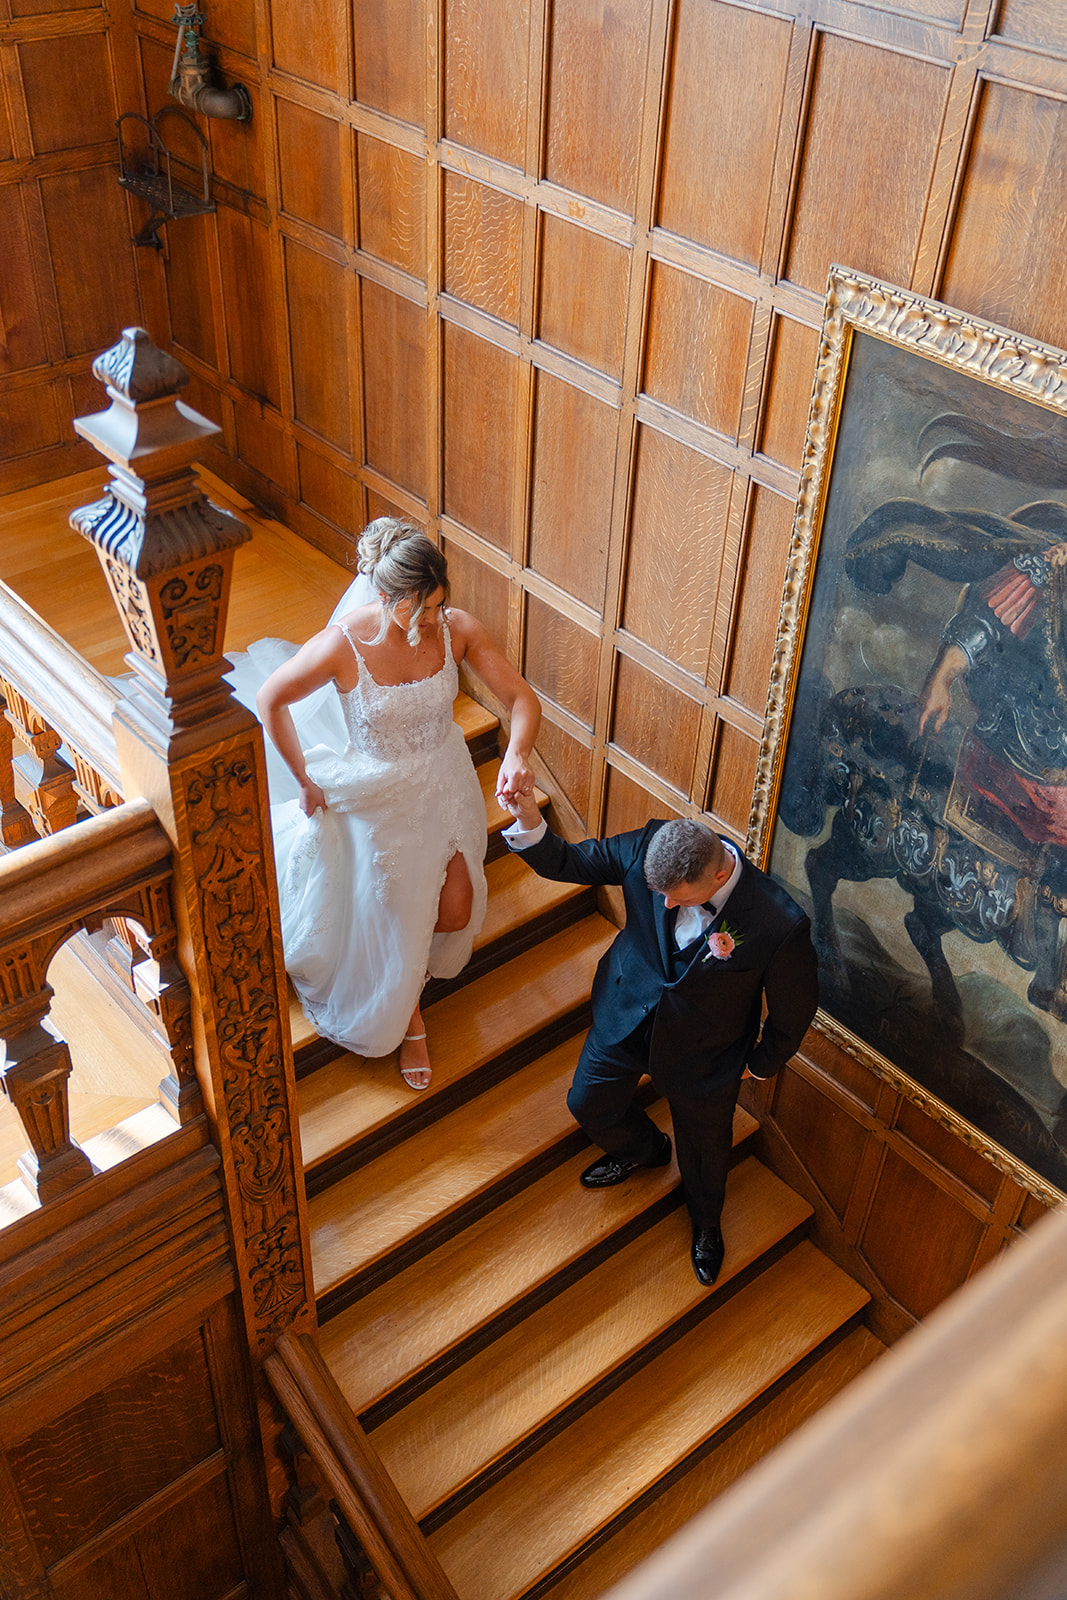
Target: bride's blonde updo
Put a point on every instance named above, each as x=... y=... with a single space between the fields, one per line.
x=402 y=564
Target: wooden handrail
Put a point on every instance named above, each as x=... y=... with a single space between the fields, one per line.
x=118 y=864
x=941 y=1472
x=369 y=1500
x=69 y=695
x=51 y=882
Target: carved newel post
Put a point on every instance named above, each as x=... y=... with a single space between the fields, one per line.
x=197 y=755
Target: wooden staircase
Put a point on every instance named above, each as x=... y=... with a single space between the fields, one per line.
x=536 y=1364
x=545 y=1380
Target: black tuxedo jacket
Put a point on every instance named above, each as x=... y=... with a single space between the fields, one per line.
x=707 y=1027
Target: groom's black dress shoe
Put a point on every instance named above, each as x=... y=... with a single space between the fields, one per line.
x=708 y=1251
x=609 y=1170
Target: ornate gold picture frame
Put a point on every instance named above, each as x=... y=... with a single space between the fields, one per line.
x=911 y=791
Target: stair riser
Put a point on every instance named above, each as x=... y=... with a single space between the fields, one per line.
x=796 y=1374
x=423 y=1112
x=433 y=1372
x=445 y=1228
x=610 y=1380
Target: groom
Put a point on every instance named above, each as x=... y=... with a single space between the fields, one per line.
x=680 y=994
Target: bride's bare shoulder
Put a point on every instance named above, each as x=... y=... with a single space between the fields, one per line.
x=362 y=621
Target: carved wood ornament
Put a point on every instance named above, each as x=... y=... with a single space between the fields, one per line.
x=197 y=755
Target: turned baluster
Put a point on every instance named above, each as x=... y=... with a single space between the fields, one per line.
x=35 y=1079
x=161 y=985
x=16 y=824
x=43 y=782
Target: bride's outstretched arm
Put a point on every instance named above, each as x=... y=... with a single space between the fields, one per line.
x=496 y=672
x=315 y=664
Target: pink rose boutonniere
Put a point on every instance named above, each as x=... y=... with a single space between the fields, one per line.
x=722 y=943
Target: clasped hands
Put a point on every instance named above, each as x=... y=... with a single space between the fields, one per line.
x=514 y=784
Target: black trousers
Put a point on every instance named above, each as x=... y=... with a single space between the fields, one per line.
x=601 y=1099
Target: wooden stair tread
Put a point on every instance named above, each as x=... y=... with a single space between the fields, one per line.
x=477 y=1415
x=434 y=1172
x=473 y=718
x=749 y=1443
x=553 y=1503
x=349 y=1098
x=427 y=1310
x=517 y=896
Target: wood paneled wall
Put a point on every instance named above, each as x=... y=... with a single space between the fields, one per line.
x=68 y=278
x=548 y=277
x=130 y=1456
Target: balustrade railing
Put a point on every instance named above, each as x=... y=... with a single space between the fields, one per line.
x=116 y=865
x=368 y=1503
x=53 y=701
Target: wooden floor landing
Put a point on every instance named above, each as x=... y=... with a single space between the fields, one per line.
x=282 y=587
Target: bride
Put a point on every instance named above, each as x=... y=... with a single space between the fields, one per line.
x=377 y=815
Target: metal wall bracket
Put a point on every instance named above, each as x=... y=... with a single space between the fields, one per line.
x=151 y=177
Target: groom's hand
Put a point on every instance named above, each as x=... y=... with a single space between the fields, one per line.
x=525 y=810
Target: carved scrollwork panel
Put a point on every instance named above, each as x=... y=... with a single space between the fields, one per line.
x=191 y=603
x=226 y=828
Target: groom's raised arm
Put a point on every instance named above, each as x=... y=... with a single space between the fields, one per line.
x=595 y=861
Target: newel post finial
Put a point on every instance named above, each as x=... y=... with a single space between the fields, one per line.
x=196 y=755
x=166 y=551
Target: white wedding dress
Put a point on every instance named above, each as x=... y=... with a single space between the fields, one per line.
x=359 y=883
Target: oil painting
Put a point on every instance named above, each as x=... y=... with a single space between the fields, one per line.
x=912 y=787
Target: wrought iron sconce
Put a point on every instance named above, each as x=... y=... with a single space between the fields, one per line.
x=151 y=176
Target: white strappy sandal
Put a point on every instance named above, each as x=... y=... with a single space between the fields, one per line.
x=410 y=1073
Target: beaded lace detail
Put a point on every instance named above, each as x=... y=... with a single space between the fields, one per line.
x=390 y=721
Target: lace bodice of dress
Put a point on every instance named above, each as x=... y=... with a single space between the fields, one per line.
x=392 y=720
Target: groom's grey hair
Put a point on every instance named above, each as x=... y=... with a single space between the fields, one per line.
x=682 y=851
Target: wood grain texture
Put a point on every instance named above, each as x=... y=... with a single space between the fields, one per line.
x=569 y=761
x=733 y=774
x=422 y=1313
x=696 y=348
x=479 y=425
x=596 y=74
x=486 y=46
x=574 y=445
x=1031 y=22
x=721 y=149
x=583 y=294
x=309 y=41
x=483 y=242
x=388 y=44
x=1011 y=210
x=677 y=524
x=872 y=223
x=123 y=1445
x=904 y=1197
x=392 y=204
x=393 y=354
x=319 y=292
x=656 y=1418
x=755 y=612
x=350 y=1098
x=655 y=723
x=689 y=1496
x=721 y=126
x=561 y=660
x=309 y=164
x=441 y=1169
x=453 y=1433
